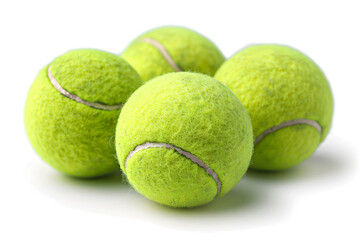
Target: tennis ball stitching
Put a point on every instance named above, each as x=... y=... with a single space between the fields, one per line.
x=163 y=52
x=67 y=94
x=309 y=122
x=188 y=155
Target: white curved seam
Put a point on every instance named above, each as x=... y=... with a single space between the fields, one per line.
x=309 y=122
x=188 y=155
x=163 y=52
x=78 y=99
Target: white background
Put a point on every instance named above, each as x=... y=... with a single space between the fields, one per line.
x=319 y=199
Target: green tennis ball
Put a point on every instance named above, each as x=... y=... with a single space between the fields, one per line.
x=172 y=49
x=288 y=99
x=183 y=138
x=72 y=108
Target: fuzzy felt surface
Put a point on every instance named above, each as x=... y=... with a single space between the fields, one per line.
x=197 y=114
x=276 y=84
x=71 y=137
x=190 y=50
x=95 y=76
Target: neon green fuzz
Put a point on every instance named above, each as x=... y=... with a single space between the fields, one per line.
x=70 y=136
x=279 y=85
x=195 y=114
x=170 y=49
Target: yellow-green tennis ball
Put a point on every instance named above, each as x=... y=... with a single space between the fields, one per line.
x=183 y=139
x=288 y=99
x=172 y=49
x=72 y=108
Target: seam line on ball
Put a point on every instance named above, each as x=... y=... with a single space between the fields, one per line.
x=163 y=52
x=289 y=123
x=78 y=99
x=182 y=152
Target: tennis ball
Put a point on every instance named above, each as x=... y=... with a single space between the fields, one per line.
x=172 y=49
x=183 y=139
x=72 y=108
x=288 y=99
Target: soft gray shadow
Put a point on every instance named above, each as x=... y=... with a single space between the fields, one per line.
x=100 y=195
x=248 y=204
x=261 y=198
x=241 y=197
x=322 y=165
x=108 y=181
x=112 y=195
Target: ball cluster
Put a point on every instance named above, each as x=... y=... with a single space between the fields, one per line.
x=183 y=124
